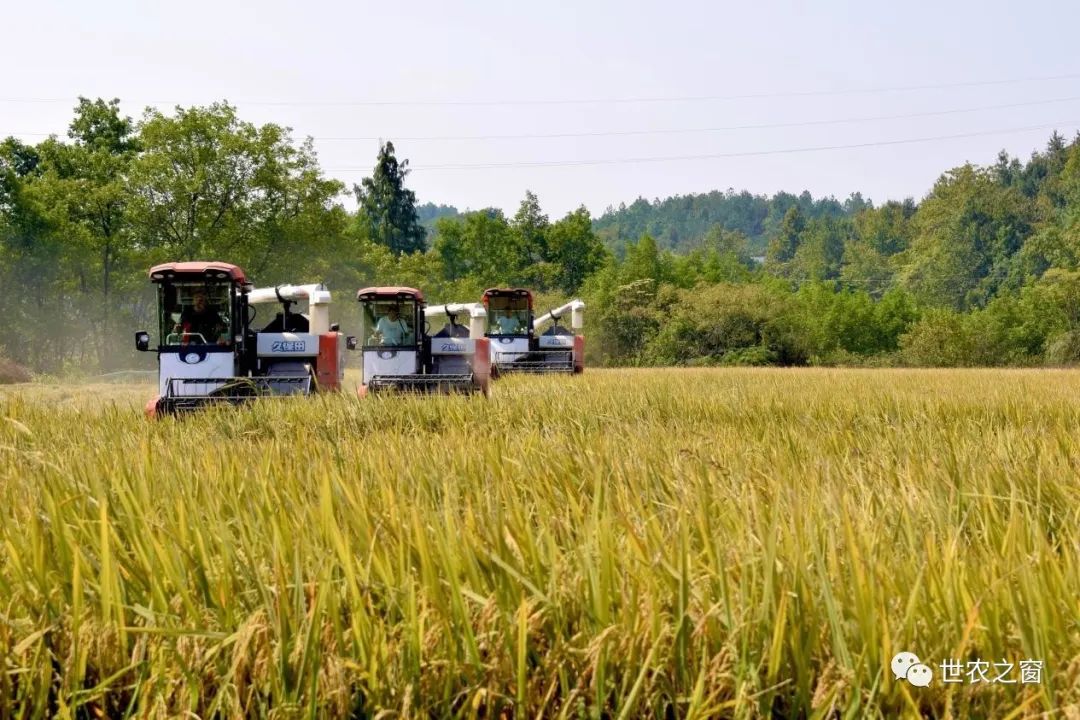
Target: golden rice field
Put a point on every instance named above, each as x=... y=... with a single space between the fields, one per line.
x=628 y=543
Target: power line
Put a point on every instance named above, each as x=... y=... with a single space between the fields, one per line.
x=717 y=156
x=675 y=131
x=594 y=101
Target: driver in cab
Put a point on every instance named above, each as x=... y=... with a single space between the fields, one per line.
x=201 y=323
x=508 y=323
x=390 y=329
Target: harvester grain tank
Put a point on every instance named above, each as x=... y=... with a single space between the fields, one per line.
x=517 y=343
x=400 y=352
x=209 y=350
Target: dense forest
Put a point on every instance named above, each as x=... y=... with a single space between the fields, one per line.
x=984 y=270
x=682 y=222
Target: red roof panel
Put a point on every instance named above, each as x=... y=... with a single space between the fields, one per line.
x=508 y=292
x=201 y=268
x=392 y=290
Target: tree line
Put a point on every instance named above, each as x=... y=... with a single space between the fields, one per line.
x=982 y=271
x=680 y=222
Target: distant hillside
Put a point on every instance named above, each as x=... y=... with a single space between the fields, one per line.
x=428 y=213
x=679 y=223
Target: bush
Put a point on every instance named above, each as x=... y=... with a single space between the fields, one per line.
x=723 y=324
x=941 y=338
x=1064 y=349
x=11 y=372
x=750 y=356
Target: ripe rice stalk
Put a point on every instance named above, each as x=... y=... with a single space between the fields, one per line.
x=715 y=542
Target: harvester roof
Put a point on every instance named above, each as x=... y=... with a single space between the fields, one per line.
x=212 y=269
x=376 y=293
x=508 y=292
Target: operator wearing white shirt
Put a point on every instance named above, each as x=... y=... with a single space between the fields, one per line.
x=391 y=329
x=508 y=323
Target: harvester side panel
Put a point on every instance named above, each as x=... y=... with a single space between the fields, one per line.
x=287 y=344
x=330 y=367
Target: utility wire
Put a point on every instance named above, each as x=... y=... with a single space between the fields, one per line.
x=716 y=156
x=679 y=131
x=595 y=101
x=675 y=131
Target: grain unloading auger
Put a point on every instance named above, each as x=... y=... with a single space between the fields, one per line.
x=517 y=345
x=210 y=352
x=401 y=353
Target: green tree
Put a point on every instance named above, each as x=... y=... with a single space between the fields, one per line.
x=785 y=242
x=574 y=249
x=208 y=185
x=33 y=267
x=78 y=194
x=966 y=234
x=531 y=224
x=643 y=262
x=866 y=269
x=388 y=208
x=479 y=245
x=821 y=250
x=530 y=227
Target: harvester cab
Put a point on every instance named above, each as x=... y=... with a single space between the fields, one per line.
x=517 y=343
x=400 y=352
x=209 y=350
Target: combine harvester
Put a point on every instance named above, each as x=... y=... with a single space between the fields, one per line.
x=209 y=351
x=515 y=345
x=401 y=353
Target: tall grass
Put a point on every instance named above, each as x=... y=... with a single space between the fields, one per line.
x=739 y=543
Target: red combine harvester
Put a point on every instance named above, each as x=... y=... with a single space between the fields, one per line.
x=209 y=352
x=515 y=344
x=400 y=352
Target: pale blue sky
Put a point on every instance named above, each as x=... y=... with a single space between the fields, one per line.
x=252 y=54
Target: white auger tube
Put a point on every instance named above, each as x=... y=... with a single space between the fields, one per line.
x=577 y=315
x=317 y=296
x=476 y=311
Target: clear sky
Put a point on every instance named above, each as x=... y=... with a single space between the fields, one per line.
x=338 y=71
